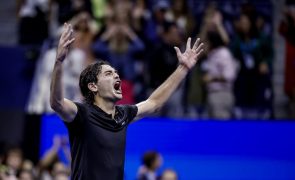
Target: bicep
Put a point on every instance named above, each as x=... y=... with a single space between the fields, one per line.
x=145 y=108
x=68 y=110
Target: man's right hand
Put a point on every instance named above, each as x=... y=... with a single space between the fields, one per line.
x=65 y=42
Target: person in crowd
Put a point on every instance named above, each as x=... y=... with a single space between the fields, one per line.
x=32 y=14
x=162 y=63
x=79 y=57
x=13 y=160
x=119 y=44
x=181 y=14
x=169 y=174
x=220 y=69
x=154 y=26
x=248 y=49
x=26 y=175
x=286 y=29
x=50 y=166
x=151 y=162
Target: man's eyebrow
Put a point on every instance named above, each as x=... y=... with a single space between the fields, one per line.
x=107 y=71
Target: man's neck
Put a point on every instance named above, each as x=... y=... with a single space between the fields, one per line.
x=106 y=106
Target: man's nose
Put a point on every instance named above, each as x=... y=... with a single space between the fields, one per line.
x=116 y=75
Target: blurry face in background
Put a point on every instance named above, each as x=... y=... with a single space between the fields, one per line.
x=244 y=24
x=212 y=15
x=169 y=175
x=60 y=172
x=178 y=5
x=122 y=10
x=27 y=165
x=14 y=159
x=25 y=175
x=83 y=23
x=61 y=177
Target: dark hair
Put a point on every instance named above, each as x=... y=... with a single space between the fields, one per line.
x=89 y=75
x=149 y=158
x=167 y=25
x=214 y=39
x=253 y=32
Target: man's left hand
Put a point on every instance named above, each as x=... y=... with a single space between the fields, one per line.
x=191 y=55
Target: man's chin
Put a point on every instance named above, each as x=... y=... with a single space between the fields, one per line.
x=119 y=97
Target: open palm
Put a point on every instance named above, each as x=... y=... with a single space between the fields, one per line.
x=191 y=55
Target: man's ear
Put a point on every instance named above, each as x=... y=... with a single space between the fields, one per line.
x=93 y=87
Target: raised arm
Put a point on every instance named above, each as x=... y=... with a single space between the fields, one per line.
x=187 y=60
x=65 y=108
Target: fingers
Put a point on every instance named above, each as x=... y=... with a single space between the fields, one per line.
x=198 y=54
x=67 y=32
x=69 y=42
x=196 y=44
x=200 y=48
x=65 y=29
x=188 y=44
x=178 y=52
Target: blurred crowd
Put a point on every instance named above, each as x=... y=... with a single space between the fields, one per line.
x=14 y=166
x=54 y=164
x=232 y=80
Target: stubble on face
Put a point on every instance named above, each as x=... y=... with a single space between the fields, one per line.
x=109 y=84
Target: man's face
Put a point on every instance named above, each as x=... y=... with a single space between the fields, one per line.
x=245 y=24
x=109 y=84
x=14 y=160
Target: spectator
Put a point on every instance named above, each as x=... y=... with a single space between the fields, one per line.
x=119 y=44
x=26 y=175
x=151 y=162
x=247 y=48
x=50 y=166
x=78 y=58
x=169 y=174
x=140 y=15
x=60 y=171
x=182 y=16
x=220 y=68
x=154 y=26
x=287 y=29
x=219 y=78
x=212 y=21
x=13 y=161
x=32 y=14
x=162 y=63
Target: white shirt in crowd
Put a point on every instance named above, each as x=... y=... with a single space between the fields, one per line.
x=221 y=64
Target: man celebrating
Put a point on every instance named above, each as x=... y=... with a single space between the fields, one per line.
x=97 y=127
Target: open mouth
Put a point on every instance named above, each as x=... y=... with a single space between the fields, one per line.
x=117 y=87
